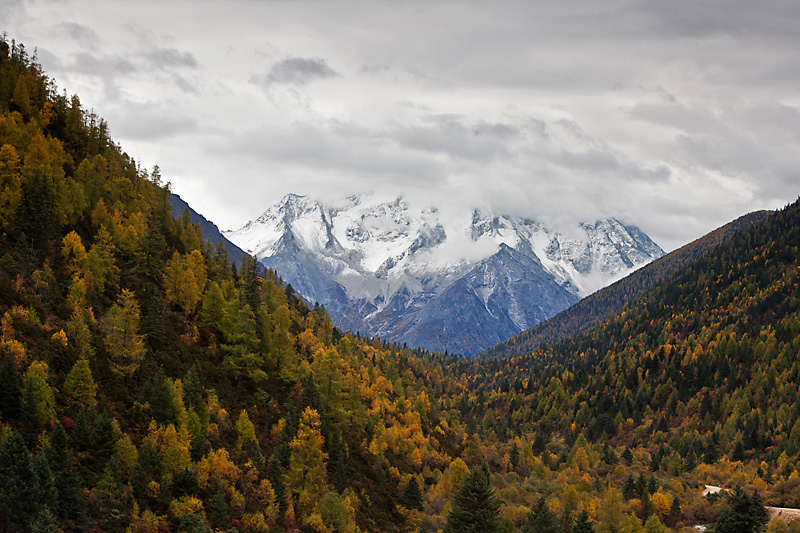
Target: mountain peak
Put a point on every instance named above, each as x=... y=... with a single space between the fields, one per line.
x=390 y=268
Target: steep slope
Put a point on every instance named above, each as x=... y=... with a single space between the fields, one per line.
x=603 y=303
x=385 y=268
x=210 y=230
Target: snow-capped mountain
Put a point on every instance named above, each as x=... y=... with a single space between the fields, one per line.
x=461 y=282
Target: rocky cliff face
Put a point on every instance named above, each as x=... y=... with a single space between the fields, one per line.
x=460 y=283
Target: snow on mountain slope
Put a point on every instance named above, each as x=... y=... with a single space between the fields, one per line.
x=460 y=282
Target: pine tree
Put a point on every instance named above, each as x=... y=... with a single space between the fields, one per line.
x=81 y=435
x=475 y=509
x=338 y=471
x=185 y=484
x=158 y=394
x=10 y=389
x=582 y=524
x=541 y=519
x=412 y=497
x=513 y=457
x=104 y=439
x=218 y=512
x=110 y=503
x=275 y=475
x=18 y=485
x=742 y=514
x=31 y=413
x=44 y=482
x=69 y=500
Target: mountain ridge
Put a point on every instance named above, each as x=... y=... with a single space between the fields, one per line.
x=211 y=231
x=391 y=269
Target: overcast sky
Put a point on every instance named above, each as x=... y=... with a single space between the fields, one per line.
x=676 y=116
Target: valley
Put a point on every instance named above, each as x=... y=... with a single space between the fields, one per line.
x=152 y=380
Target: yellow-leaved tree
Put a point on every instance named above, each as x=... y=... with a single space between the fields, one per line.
x=80 y=387
x=306 y=475
x=121 y=333
x=185 y=280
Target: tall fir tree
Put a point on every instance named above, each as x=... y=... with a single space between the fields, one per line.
x=475 y=508
x=69 y=502
x=18 y=484
x=541 y=519
x=10 y=389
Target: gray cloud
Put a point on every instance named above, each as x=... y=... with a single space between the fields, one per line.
x=674 y=116
x=171 y=58
x=10 y=10
x=151 y=122
x=80 y=33
x=86 y=63
x=295 y=71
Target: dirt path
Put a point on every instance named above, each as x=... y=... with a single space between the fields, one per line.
x=785 y=513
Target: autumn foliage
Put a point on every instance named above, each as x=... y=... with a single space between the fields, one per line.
x=149 y=384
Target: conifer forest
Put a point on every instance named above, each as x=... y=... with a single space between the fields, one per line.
x=148 y=383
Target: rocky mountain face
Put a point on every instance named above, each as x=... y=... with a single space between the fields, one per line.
x=458 y=282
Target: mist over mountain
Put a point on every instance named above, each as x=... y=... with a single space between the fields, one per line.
x=393 y=269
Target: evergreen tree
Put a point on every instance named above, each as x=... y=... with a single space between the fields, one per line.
x=475 y=509
x=338 y=474
x=69 y=500
x=31 y=413
x=10 y=389
x=541 y=440
x=46 y=522
x=193 y=396
x=18 y=484
x=193 y=523
x=44 y=483
x=582 y=524
x=104 y=440
x=541 y=519
x=412 y=497
x=275 y=474
x=185 y=484
x=742 y=514
x=513 y=457
x=629 y=490
x=218 y=512
x=81 y=435
x=157 y=393
x=110 y=505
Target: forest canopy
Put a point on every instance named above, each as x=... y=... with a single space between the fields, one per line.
x=149 y=383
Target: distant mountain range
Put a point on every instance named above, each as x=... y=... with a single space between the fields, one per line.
x=459 y=283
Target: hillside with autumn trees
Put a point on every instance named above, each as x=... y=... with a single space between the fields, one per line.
x=148 y=383
x=600 y=305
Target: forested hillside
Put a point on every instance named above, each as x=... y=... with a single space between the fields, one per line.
x=148 y=384
x=607 y=301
